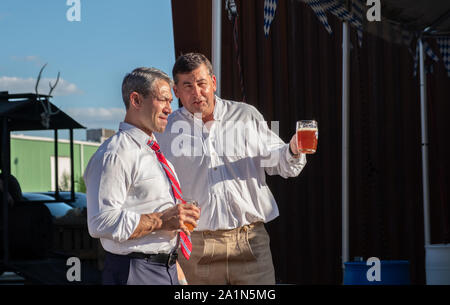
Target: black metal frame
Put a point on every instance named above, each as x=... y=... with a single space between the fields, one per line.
x=72 y=180
x=436 y=23
x=6 y=170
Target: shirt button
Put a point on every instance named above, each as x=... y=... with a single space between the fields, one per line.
x=215 y=168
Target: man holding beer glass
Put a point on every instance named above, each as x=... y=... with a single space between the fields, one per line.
x=133 y=192
x=222 y=150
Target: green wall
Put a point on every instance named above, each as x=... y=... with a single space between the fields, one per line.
x=30 y=161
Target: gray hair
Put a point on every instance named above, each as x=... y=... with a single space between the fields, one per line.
x=142 y=80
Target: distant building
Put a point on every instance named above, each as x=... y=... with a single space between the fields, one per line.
x=99 y=135
x=32 y=162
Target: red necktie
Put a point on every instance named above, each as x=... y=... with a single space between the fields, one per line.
x=186 y=244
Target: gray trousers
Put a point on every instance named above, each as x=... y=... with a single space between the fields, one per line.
x=124 y=270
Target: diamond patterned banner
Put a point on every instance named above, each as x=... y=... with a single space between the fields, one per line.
x=444 y=47
x=270 y=7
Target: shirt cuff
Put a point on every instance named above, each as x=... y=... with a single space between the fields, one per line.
x=291 y=159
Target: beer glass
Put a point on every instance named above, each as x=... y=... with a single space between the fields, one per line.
x=307 y=136
x=188 y=201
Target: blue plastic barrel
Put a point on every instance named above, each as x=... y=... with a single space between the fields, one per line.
x=392 y=272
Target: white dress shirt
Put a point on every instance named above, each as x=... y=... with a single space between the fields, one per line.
x=124 y=179
x=222 y=163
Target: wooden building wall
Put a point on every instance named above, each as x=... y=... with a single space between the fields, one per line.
x=295 y=73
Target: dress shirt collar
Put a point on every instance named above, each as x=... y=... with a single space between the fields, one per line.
x=217 y=114
x=137 y=134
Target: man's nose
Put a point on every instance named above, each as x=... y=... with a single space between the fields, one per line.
x=168 y=108
x=197 y=91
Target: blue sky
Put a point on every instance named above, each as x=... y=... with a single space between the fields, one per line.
x=93 y=55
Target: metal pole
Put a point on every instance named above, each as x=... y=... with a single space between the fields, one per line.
x=345 y=139
x=216 y=40
x=56 y=165
x=72 y=174
x=424 y=129
x=81 y=159
x=5 y=171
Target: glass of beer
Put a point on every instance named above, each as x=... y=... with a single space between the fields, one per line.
x=307 y=136
x=188 y=201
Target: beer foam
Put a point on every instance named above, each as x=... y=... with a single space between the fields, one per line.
x=307 y=129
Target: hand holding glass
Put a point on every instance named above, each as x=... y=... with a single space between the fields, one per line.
x=307 y=136
x=188 y=201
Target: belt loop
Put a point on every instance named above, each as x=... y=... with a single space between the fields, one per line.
x=247 y=227
x=169 y=259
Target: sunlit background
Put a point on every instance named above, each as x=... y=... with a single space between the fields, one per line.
x=92 y=55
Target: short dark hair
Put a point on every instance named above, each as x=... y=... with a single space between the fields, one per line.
x=187 y=63
x=142 y=80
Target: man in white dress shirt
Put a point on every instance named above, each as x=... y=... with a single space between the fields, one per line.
x=130 y=202
x=222 y=151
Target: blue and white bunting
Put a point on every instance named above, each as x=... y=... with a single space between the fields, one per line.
x=321 y=7
x=428 y=51
x=270 y=7
x=316 y=6
x=444 y=47
x=355 y=18
x=358 y=13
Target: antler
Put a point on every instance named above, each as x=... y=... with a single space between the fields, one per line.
x=53 y=87
x=39 y=79
x=45 y=116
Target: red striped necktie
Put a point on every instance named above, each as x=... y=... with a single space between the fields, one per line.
x=186 y=244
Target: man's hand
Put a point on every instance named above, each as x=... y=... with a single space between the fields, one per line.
x=171 y=219
x=294 y=147
x=176 y=217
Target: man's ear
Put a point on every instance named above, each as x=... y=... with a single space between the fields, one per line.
x=135 y=101
x=213 y=77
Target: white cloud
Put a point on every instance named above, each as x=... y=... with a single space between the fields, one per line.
x=26 y=85
x=33 y=59
x=28 y=58
x=98 y=117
